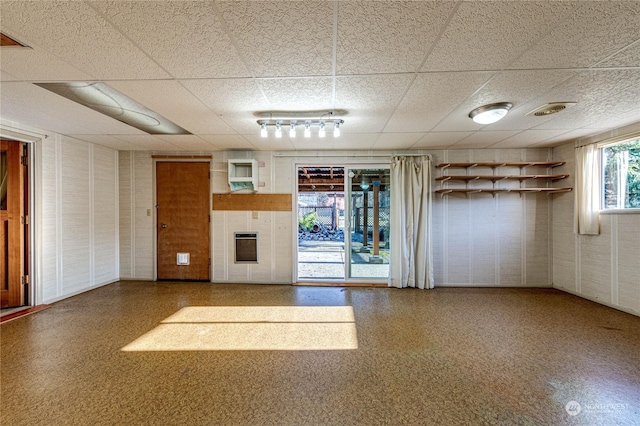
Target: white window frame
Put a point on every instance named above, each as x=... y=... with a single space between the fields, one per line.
x=601 y=146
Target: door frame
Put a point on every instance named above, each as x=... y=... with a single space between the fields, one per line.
x=154 y=210
x=350 y=164
x=32 y=250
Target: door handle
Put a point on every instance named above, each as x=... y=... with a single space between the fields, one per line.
x=164 y=225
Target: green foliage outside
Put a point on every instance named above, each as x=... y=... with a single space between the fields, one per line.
x=616 y=159
x=308 y=220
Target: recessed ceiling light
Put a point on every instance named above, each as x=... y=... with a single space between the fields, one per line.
x=491 y=113
x=102 y=98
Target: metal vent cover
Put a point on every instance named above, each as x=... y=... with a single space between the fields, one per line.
x=551 y=108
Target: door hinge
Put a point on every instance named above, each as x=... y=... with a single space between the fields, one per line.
x=24 y=220
x=25 y=280
x=24 y=159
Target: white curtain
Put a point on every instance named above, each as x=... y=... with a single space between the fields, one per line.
x=411 y=258
x=587 y=191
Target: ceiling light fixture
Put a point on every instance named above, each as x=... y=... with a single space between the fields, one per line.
x=292 y=121
x=105 y=99
x=491 y=113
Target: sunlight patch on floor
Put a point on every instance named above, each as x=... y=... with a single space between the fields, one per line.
x=224 y=328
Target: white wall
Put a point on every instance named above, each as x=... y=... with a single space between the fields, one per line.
x=76 y=217
x=137 y=230
x=502 y=241
x=604 y=268
x=478 y=241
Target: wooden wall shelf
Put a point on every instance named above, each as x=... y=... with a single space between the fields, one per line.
x=506 y=164
x=542 y=178
x=495 y=178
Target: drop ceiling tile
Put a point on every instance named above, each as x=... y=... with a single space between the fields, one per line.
x=431 y=97
x=385 y=37
x=231 y=142
x=174 y=102
x=270 y=143
x=586 y=36
x=74 y=32
x=282 y=38
x=616 y=106
x=490 y=35
x=330 y=143
x=37 y=64
x=397 y=140
x=188 y=142
x=566 y=137
x=483 y=139
x=629 y=57
x=5 y=76
x=108 y=141
x=234 y=100
x=355 y=141
x=521 y=88
x=440 y=140
x=298 y=94
x=34 y=106
x=186 y=38
x=370 y=100
x=528 y=138
x=149 y=143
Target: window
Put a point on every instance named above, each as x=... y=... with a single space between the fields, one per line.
x=621 y=175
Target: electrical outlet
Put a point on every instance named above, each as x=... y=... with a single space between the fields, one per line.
x=255 y=215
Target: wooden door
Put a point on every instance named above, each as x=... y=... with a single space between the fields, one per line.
x=12 y=219
x=183 y=220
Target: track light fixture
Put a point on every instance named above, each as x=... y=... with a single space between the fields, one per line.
x=308 y=124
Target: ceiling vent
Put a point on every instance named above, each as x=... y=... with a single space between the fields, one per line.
x=552 y=108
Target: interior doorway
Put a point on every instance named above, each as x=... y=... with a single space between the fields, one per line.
x=343 y=223
x=183 y=219
x=14 y=229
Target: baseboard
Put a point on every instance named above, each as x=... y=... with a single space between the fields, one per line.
x=75 y=293
x=600 y=302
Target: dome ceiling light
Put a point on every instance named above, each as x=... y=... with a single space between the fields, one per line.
x=488 y=114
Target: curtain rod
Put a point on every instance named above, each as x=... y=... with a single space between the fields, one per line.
x=348 y=154
x=611 y=140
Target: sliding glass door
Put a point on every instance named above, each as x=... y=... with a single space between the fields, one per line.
x=368 y=237
x=343 y=223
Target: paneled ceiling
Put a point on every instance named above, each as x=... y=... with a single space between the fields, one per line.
x=406 y=73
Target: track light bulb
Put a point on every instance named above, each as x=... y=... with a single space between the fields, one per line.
x=307 y=130
x=263 y=130
x=292 y=129
x=278 y=130
x=336 y=129
x=321 y=132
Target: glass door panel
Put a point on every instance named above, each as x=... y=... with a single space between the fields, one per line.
x=368 y=206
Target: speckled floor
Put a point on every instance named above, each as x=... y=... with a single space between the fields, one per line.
x=441 y=357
